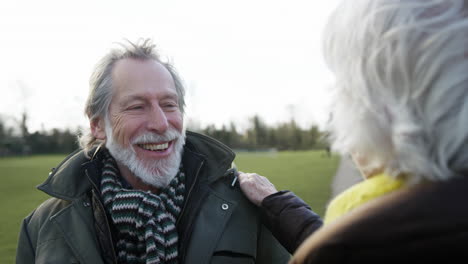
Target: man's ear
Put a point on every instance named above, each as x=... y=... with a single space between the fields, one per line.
x=98 y=128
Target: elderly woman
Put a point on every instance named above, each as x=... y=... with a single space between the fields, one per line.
x=401 y=109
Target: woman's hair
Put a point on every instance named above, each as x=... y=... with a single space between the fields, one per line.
x=100 y=96
x=401 y=92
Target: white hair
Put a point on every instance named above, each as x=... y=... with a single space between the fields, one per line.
x=401 y=93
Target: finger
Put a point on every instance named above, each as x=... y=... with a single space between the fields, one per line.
x=254 y=174
x=243 y=177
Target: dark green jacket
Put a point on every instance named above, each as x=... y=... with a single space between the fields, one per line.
x=217 y=224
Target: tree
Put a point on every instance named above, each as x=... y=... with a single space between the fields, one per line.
x=24 y=125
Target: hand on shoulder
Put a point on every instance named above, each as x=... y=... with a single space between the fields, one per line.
x=256 y=187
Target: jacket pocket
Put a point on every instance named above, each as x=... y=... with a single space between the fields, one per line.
x=239 y=247
x=230 y=257
x=55 y=251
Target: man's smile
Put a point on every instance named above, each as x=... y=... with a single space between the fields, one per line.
x=156 y=150
x=155 y=146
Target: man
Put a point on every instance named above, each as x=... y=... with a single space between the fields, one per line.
x=140 y=190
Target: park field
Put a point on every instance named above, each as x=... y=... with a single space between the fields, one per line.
x=307 y=173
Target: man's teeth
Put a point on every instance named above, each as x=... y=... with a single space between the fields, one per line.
x=155 y=147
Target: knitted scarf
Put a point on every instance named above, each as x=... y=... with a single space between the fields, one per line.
x=145 y=221
x=361 y=193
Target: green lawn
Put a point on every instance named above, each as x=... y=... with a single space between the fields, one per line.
x=308 y=174
x=18 y=196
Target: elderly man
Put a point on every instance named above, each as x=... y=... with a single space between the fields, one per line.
x=141 y=190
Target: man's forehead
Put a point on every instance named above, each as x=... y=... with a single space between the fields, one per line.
x=132 y=76
x=131 y=96
x=135 y=69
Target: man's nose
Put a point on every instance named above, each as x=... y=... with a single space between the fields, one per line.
x=157 y=120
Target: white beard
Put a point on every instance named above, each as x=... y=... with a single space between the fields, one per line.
x=157 y=172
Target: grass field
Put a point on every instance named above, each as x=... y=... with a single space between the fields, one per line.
x=308 y=174
x=18 y=196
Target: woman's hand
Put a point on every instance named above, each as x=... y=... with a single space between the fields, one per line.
x=255 y=187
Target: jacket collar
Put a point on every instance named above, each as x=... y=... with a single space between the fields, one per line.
x=70 y=180
x=217 y=157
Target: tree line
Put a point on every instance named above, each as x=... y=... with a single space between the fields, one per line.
x=260 y=136
x=257 y=137
x=17 y=140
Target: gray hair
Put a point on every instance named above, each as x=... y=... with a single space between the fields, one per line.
x=401 y=92
x=100 y=96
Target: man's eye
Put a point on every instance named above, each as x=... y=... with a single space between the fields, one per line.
x=170 y=105
x=135 y=107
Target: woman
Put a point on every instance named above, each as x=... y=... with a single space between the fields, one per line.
x=401 y=105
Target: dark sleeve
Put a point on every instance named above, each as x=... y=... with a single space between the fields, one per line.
x=289 y=218
x=25 y=249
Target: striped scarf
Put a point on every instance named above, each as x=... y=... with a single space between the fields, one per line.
x=145 y=222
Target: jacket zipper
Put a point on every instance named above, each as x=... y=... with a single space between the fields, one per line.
x=182 y=257
x=190 y=191
x=107 y=222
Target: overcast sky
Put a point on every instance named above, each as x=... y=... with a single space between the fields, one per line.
x=237 y=58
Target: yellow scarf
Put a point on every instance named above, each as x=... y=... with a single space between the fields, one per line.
x=360 y=193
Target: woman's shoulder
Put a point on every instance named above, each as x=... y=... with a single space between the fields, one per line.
x=426 y=219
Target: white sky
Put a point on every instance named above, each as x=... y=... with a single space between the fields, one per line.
x=237 y=58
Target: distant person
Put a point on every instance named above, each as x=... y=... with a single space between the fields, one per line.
x=141 y=190
x=401 y=110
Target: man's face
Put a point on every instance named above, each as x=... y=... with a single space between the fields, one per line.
x=145 y=127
